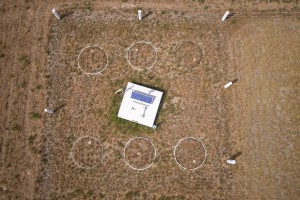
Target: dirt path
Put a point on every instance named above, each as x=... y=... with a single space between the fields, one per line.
x=267 y=66
x=22 y=98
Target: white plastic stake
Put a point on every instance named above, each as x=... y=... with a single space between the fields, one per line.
x=225 y=16
x=228 y=84
x=48 y=111
x=232 y=162
x=56 y=14
x=119 y=90
x=140 y=14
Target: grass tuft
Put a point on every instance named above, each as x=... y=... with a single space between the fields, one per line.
x=17 y=127
x=24 y=60
x=132 y=194
x=31 y=138
x=34 y=115
x=38 y=87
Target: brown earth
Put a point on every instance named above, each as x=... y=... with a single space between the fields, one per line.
x=258 y=115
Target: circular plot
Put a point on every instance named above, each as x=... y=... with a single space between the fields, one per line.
x=141 y=55
x=92 y=60
x=139 y=153
x=87 y=152
x=190 y=153
x=188 y=54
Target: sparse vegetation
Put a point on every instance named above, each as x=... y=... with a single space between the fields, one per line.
x=32 y=138
x=248 y=45
x=34 y=115
x=90 y=193
x=17 y=127
x=102 y=196
x=233 y=21
x=22 y=85
x=24 y=60
x=38 y=87
x=132 y=194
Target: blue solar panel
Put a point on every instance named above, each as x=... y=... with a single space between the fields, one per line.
x=147 y=98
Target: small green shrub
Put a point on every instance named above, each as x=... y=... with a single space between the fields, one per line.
x=233 y=22
x=89 y=193
x=16 y=127
x=24 y=60
x=34 y=115
x=132 y=194
x=35 y=150
x=38 y=87
x=31 y=138
x=102 y=196
x=22 y=85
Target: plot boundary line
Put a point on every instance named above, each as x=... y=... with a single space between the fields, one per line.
x=187 y=41
x=78 y=165
x=175 y=149
x=95 y=73
x=126 y=161
x=128 y=59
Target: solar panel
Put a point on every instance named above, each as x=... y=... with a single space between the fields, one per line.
x=141 y=96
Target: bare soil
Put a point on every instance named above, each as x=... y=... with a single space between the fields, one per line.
x=257 y=116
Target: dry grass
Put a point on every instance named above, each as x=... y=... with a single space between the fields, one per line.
x=258 y=115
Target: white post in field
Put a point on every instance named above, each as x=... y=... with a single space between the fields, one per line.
x=232 y=162
x=228 y=84
x=119 y=90
x=56 y=14
x=140 y=14
x=48 y=111
x=225 y=16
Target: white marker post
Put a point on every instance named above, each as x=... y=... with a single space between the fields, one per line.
x=119 y=90
x=232 y=162
x=140 y=14
x=225 y=16
x=228 y=84
x=56 y=14
x=48 y=111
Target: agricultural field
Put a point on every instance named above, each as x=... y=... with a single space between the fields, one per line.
x=75 y=66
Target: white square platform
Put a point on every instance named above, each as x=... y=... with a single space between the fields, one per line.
x=140 y=104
